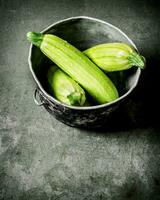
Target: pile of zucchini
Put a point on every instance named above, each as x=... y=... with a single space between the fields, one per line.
x=76 y=72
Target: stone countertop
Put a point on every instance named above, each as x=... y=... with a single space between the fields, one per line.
x=43 y=159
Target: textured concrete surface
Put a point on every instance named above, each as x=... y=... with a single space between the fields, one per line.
x=41 y=158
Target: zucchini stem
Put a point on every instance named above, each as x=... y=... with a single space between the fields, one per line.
x=137 y=60
x=35 y=38
x=74 y=98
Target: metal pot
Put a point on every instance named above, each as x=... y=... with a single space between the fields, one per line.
x=82 y=32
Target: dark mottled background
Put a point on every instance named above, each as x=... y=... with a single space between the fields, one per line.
x=41 y=158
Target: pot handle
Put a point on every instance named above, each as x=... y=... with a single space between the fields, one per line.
x=37 y=92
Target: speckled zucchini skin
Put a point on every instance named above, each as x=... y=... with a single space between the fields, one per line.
x=77 y=65
x=64 y=88
x=115 y=57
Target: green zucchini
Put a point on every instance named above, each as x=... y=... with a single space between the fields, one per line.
x=77 y=65
x=64 y=88
x=115 y=57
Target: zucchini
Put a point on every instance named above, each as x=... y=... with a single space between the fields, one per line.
x=77 y=65
x=115 y=57
x=64 y=88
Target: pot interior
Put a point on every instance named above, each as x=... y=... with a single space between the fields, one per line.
x=84 y=33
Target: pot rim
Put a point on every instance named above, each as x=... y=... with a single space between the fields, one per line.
x=52 y=99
